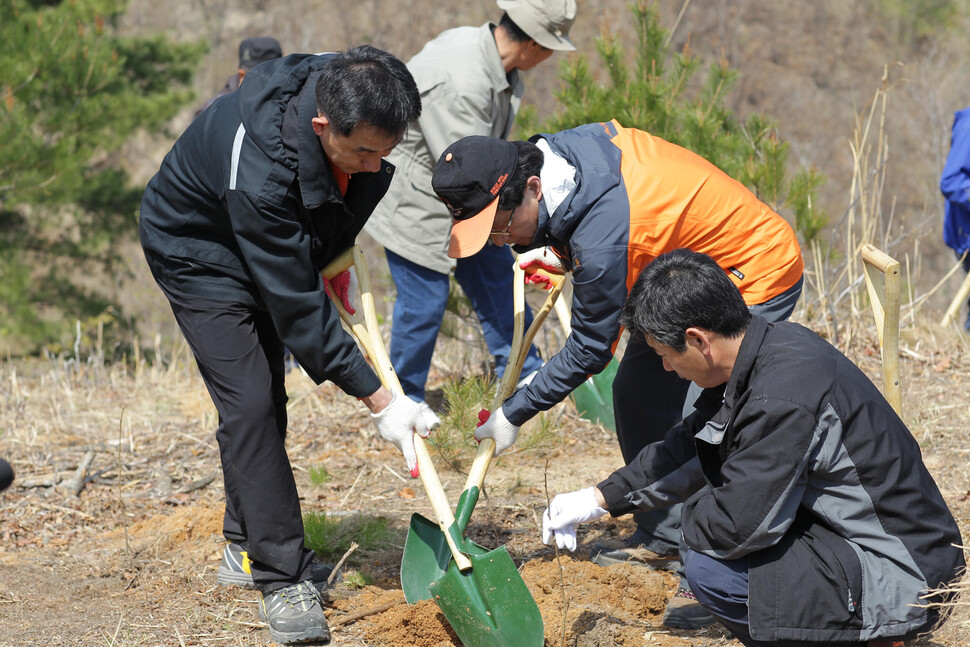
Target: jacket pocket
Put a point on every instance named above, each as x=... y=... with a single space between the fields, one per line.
x=808 y=587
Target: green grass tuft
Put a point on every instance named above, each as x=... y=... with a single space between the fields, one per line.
x=331 y=536
x=320 y=475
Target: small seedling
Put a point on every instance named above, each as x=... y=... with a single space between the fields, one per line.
x=319 y=475
x=331 y=536
x=357 y=580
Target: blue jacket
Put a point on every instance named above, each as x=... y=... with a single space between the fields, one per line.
x=804 y=469
x=633 y=197
x=955 y=185
x=245 y=209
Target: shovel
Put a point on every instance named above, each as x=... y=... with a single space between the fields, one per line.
x=594 y=397
x=426 y=558
x=517 y=354
x=367 y=332
x=516 y=621
x=483 y=596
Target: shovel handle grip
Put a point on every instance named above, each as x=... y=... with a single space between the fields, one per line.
x=367 y=331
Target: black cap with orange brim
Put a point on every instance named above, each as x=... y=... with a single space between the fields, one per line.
x=469 y=177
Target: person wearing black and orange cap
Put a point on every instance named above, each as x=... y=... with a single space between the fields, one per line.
x=602 y=201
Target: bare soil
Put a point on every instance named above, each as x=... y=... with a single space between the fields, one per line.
x=132 y=560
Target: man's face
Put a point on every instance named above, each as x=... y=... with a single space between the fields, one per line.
x=533 y=55
x=359 y=152
x=691 y=364
x=518 y=226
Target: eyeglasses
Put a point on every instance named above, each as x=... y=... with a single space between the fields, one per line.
x=505 y=232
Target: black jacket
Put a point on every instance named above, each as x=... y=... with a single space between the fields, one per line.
x=245 y=209
x=807 y=471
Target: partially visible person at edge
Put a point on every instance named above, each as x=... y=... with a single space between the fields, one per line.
x=258 y=195
x=6 y=475
x=470 y=85
x=809 y=516
x=955 y=186
x=252 y=52
x=602 y=201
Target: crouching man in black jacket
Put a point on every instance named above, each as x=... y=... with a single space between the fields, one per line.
x=809 y=516
x=263 y=190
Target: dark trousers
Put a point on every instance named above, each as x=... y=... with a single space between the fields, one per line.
x=240 y=356
x=721 y=586
x=648 y=401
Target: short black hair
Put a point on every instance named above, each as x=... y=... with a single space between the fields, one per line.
x=366 y=85
x=515 y=32
x=529 y=163
x=679 y=290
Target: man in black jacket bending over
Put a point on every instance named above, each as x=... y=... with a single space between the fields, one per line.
x=809 y=516
x=261 y=192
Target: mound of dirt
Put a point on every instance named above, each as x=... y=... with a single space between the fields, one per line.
x=618 y=605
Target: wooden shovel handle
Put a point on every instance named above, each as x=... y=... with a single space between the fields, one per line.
x=517 y=354
x=367 y=331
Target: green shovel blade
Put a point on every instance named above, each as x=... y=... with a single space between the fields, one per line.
x=426 y=553
x=489 y=605
x=594 y=397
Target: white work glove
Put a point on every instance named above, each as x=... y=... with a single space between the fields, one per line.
x=566 y=510
x=497 y=427
x=541 y=258
x=343 y=286
x=397 y=423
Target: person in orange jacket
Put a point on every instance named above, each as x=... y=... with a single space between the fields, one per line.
x=602 y=201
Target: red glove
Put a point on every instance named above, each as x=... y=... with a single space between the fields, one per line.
x=540 y=280
x=542 y=258
x=482 y=419
x=496 y=427
x=344 y=285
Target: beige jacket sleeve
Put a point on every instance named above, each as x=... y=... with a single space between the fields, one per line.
x=464 y=91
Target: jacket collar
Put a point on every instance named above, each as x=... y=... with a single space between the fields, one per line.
x=317 y=184
x=748 y=352
x=498 y=79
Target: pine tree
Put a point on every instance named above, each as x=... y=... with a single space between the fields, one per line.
x=656 y=92
x=72 y=91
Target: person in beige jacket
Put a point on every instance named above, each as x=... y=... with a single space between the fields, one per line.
x=470 y=85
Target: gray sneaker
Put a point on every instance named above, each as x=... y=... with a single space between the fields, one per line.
x=295 y=614
x=685 y=612
x=236 y=570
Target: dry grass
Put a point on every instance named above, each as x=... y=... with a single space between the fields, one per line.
x=150 y=424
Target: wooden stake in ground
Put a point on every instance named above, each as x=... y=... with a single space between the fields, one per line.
x=961 y=296
x=882 y=281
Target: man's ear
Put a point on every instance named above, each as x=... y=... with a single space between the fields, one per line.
x=699 y=339
x=320 y=124
x=535 y=184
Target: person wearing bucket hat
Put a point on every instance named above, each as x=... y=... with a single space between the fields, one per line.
x=471 y=84
x=602 y=201
x=252 y=52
